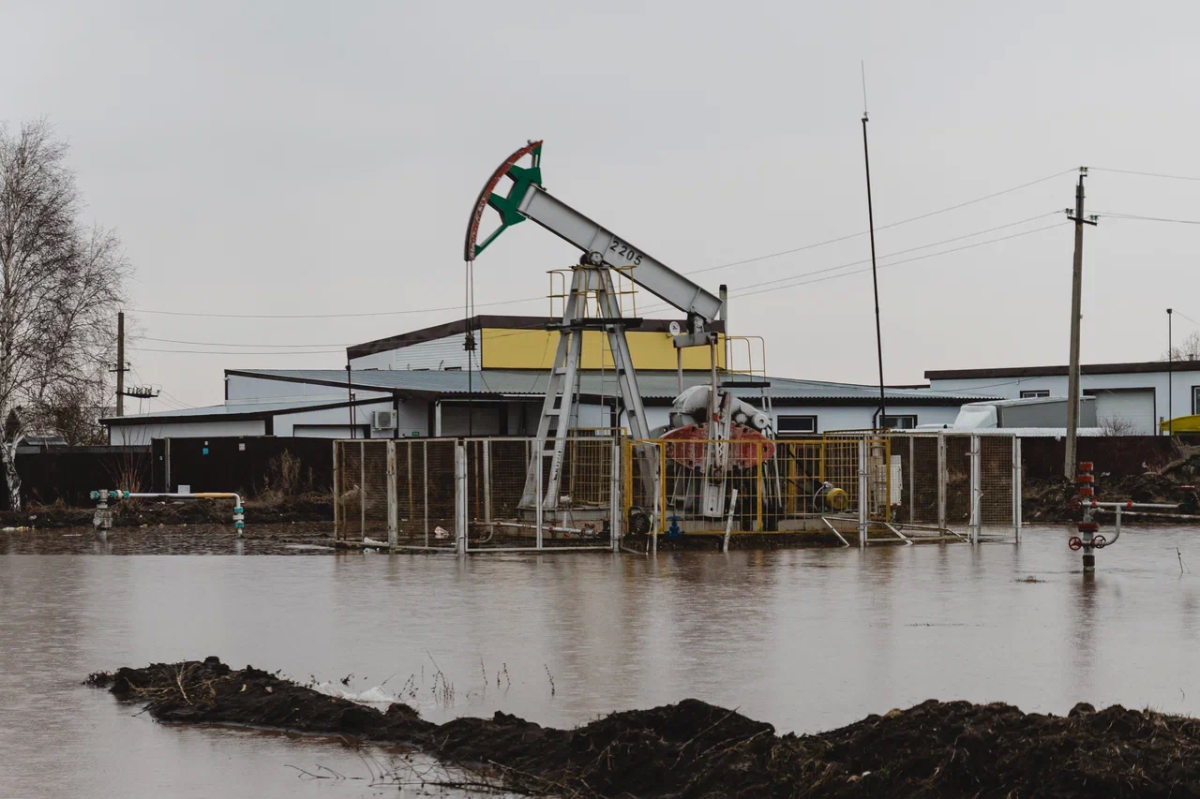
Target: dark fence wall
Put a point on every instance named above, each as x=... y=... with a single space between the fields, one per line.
x=72 y=473
x=244 y=465
x=1120 y=456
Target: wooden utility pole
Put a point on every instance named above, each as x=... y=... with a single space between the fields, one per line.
x=1070 y=465
x=120 y=363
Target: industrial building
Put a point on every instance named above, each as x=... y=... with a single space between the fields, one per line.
x=1131 y=398
x=420 y=384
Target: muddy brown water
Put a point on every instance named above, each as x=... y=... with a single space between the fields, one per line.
x=805 y=639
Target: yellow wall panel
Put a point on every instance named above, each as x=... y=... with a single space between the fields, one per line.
x=534 y=349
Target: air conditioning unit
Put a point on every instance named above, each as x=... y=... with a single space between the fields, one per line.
x=383 y=420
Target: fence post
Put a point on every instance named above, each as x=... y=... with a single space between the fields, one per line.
x=975 y=525
x=941 y=481
x=863 y=489
x=537 y=471
x=614 y=524
x=1018 y=488
x=425 y=482
x=460 y=498
x=758 y=521
x=337 y=491
x=487 y=484
x=393 y=515
x=912 y=483
x=362 y=487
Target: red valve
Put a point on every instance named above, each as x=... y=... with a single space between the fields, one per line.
x=1089 y=527
x=1099 y=542
x=1086 y=478
x=1087 y=491
x=1086 y=466
x=1075 y=543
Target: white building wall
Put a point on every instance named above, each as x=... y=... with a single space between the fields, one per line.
x=1184 y=384
x=285 y=423
x=125 y=434
x=441 y=353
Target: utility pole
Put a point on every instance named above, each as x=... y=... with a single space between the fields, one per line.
x=1070 y=464
x=121 y=363
x=874 y=273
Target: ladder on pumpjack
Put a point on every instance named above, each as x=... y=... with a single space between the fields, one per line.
x=602 y=252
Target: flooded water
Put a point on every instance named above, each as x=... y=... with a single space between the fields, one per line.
x=805 y=639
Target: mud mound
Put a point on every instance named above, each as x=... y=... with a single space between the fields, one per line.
x=692 y=749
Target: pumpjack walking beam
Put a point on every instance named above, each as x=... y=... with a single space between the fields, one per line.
x=603 y=251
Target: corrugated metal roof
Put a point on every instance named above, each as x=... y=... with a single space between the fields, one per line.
x=653 y=384
x=231 y=410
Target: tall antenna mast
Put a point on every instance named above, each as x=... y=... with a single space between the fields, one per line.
x=874 y=272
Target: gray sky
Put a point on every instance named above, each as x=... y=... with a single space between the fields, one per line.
x=303 y=158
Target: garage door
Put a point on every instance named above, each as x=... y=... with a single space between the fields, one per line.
x=1126 y=411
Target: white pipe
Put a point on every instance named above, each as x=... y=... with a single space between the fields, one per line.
x=239 y=518
x=729 y=524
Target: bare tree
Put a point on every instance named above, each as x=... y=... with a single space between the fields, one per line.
x=1187 y=350
x=1117 y=426
x=61 y=283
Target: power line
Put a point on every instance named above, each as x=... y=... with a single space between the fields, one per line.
x=1118 y=215
x=905 y=261
x=743 y=293
x=535 y=299
x=232 y=352
x=234 y=344
x=882 y=227
x=1143 y=174
x=328 y=316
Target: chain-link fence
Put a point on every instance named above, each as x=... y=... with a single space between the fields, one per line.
x=490 y=494
x=465 y=495
x=962 y=484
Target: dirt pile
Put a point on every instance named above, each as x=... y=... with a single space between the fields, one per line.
x=1174 y=483
x=693 y=749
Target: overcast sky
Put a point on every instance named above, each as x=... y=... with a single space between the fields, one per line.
x=322 y=158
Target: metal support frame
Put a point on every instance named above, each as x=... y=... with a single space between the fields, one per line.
x=562 y=388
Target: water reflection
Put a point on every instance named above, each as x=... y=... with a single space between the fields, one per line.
x=807 y=639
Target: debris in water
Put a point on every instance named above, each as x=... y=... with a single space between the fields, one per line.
x=694 y=749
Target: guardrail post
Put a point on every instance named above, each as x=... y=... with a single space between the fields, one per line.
x=863 y=489
x=460 y=498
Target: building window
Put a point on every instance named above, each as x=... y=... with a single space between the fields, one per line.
x=1037 y=392
x=795 y=426
x=1195 y=399
x=900 y=422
